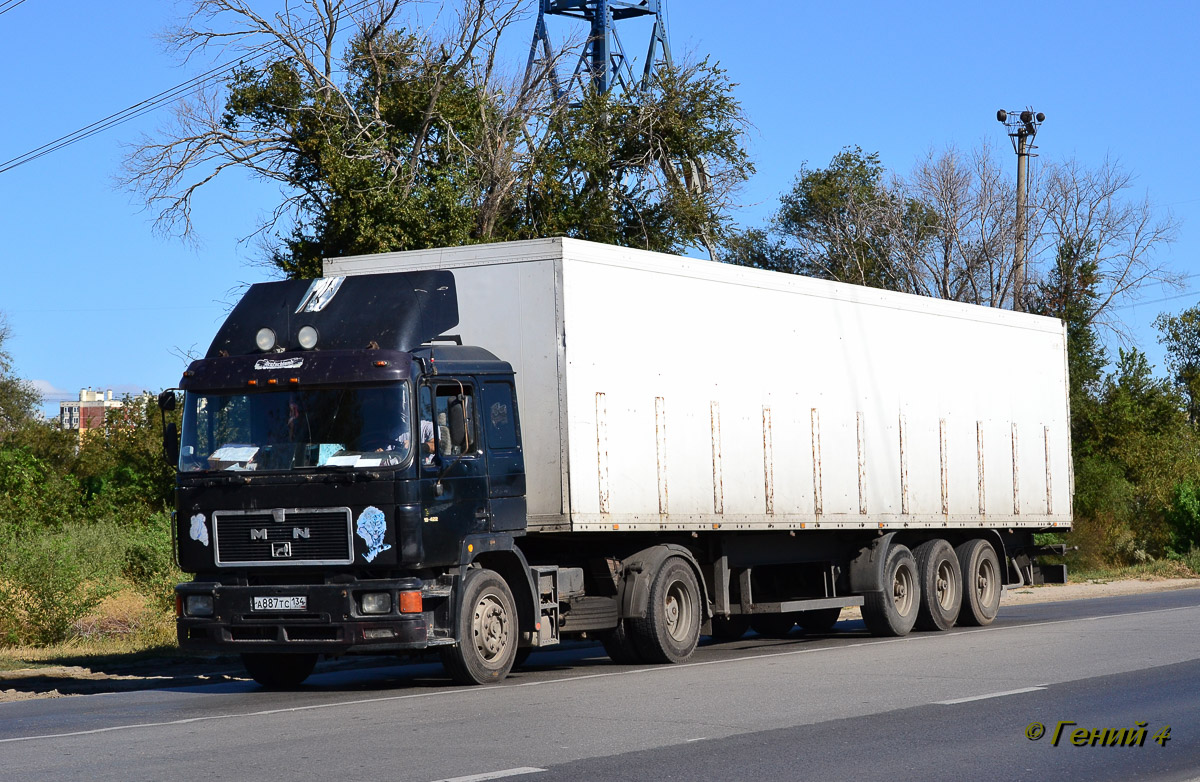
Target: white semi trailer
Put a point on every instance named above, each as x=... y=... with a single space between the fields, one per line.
x=695 y=447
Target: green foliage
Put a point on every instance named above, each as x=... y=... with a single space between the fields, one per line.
x=18 y=399
x=149 y=563
x=47 y=585
x=1183 y=518
x=843 y=222
x=1180 y=334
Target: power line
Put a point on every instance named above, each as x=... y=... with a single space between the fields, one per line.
x=9 y=5
x=153 y=102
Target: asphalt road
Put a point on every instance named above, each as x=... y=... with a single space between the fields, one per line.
x=951 y=705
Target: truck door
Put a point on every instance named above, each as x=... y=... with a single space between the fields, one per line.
x=506 y=463
x=454 y=475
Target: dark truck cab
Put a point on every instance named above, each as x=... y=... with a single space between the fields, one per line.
x=341 y=479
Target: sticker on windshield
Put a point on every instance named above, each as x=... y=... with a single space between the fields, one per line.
x=199 y=531
x=320 y=292
x=372 y=526
x=279 y=363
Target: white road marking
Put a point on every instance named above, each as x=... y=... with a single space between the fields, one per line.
x=459 y=692
x=989 y=695
x=508 y=772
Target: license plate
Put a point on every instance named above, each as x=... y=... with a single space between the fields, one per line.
x=288 y=603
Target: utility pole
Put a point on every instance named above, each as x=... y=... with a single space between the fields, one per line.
x=1022 y=129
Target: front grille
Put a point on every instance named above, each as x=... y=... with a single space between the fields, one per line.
x=292 y=536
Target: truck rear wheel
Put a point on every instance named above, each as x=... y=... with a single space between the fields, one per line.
x=671 y=628
x=819 y=620
x=487 y=631
x=981 y=582
x=941 y=585
x=279 y=671
x=893 y=611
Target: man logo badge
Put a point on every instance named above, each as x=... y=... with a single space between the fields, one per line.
x=258 y=534
x=281 y=550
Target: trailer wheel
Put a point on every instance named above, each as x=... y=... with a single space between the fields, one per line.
x=981 y=582
x=729 y=628
x=819 y=620
x=773 y=625
x=941 y=585
x=279 y=671
x=671 y=628
x=893 y=611
x=487 y=631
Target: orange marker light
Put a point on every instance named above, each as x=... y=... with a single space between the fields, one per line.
x=251 y=382
x=293 y=380
x=381 y=363
x=410 y=602
x=272 y=382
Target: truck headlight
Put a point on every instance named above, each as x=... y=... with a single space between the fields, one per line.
x=376 y=602
x=199 y=605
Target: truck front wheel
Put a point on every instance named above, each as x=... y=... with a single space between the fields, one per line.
x=671 y=629
x=279 y=671
x=487 y=631
x=893 y=611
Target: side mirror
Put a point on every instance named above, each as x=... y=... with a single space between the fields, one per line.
x=171 y=444
x=166 y=400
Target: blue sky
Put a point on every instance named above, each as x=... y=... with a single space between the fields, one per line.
x=95 y=299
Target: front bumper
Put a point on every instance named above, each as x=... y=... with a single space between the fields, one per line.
x=330 y=624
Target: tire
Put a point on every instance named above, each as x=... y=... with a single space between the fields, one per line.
x=729 y=628
x=981 y=583
x=279 y=671
x=819 y=620
x=893 y=611
x=487 y=631
x=618 y=643
x=671 y=628
x=941 y=585
x=773 y=625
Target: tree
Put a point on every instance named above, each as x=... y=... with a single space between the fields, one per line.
x=18 y=399
x=387 y=139
x=946 y=229
x=1180 y=334
x=841 y=222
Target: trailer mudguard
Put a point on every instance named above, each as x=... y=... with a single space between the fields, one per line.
x=640 y=570
x=866 y=570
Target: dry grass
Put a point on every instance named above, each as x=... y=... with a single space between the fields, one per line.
x=124 y=624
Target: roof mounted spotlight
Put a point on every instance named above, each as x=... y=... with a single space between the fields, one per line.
x=307 y=337
x=265 y=339
x=1002 y=116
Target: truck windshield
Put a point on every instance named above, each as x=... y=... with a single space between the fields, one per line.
x=297 y=429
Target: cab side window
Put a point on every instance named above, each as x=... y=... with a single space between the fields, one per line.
x=455 y=420
x=499 y=416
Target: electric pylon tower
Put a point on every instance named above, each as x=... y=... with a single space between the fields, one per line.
x=603 y=62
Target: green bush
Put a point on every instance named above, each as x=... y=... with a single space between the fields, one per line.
x=1183 y=518
x=46 y=588
x=149 y=563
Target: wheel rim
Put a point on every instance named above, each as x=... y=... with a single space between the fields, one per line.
x=902 y=591
x=490 y=628
x=985 y=582
x=677 y=611
x=944 y=588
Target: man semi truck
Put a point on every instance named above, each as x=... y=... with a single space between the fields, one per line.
x=483 y=450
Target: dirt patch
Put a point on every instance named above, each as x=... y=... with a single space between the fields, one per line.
x=116 y=674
